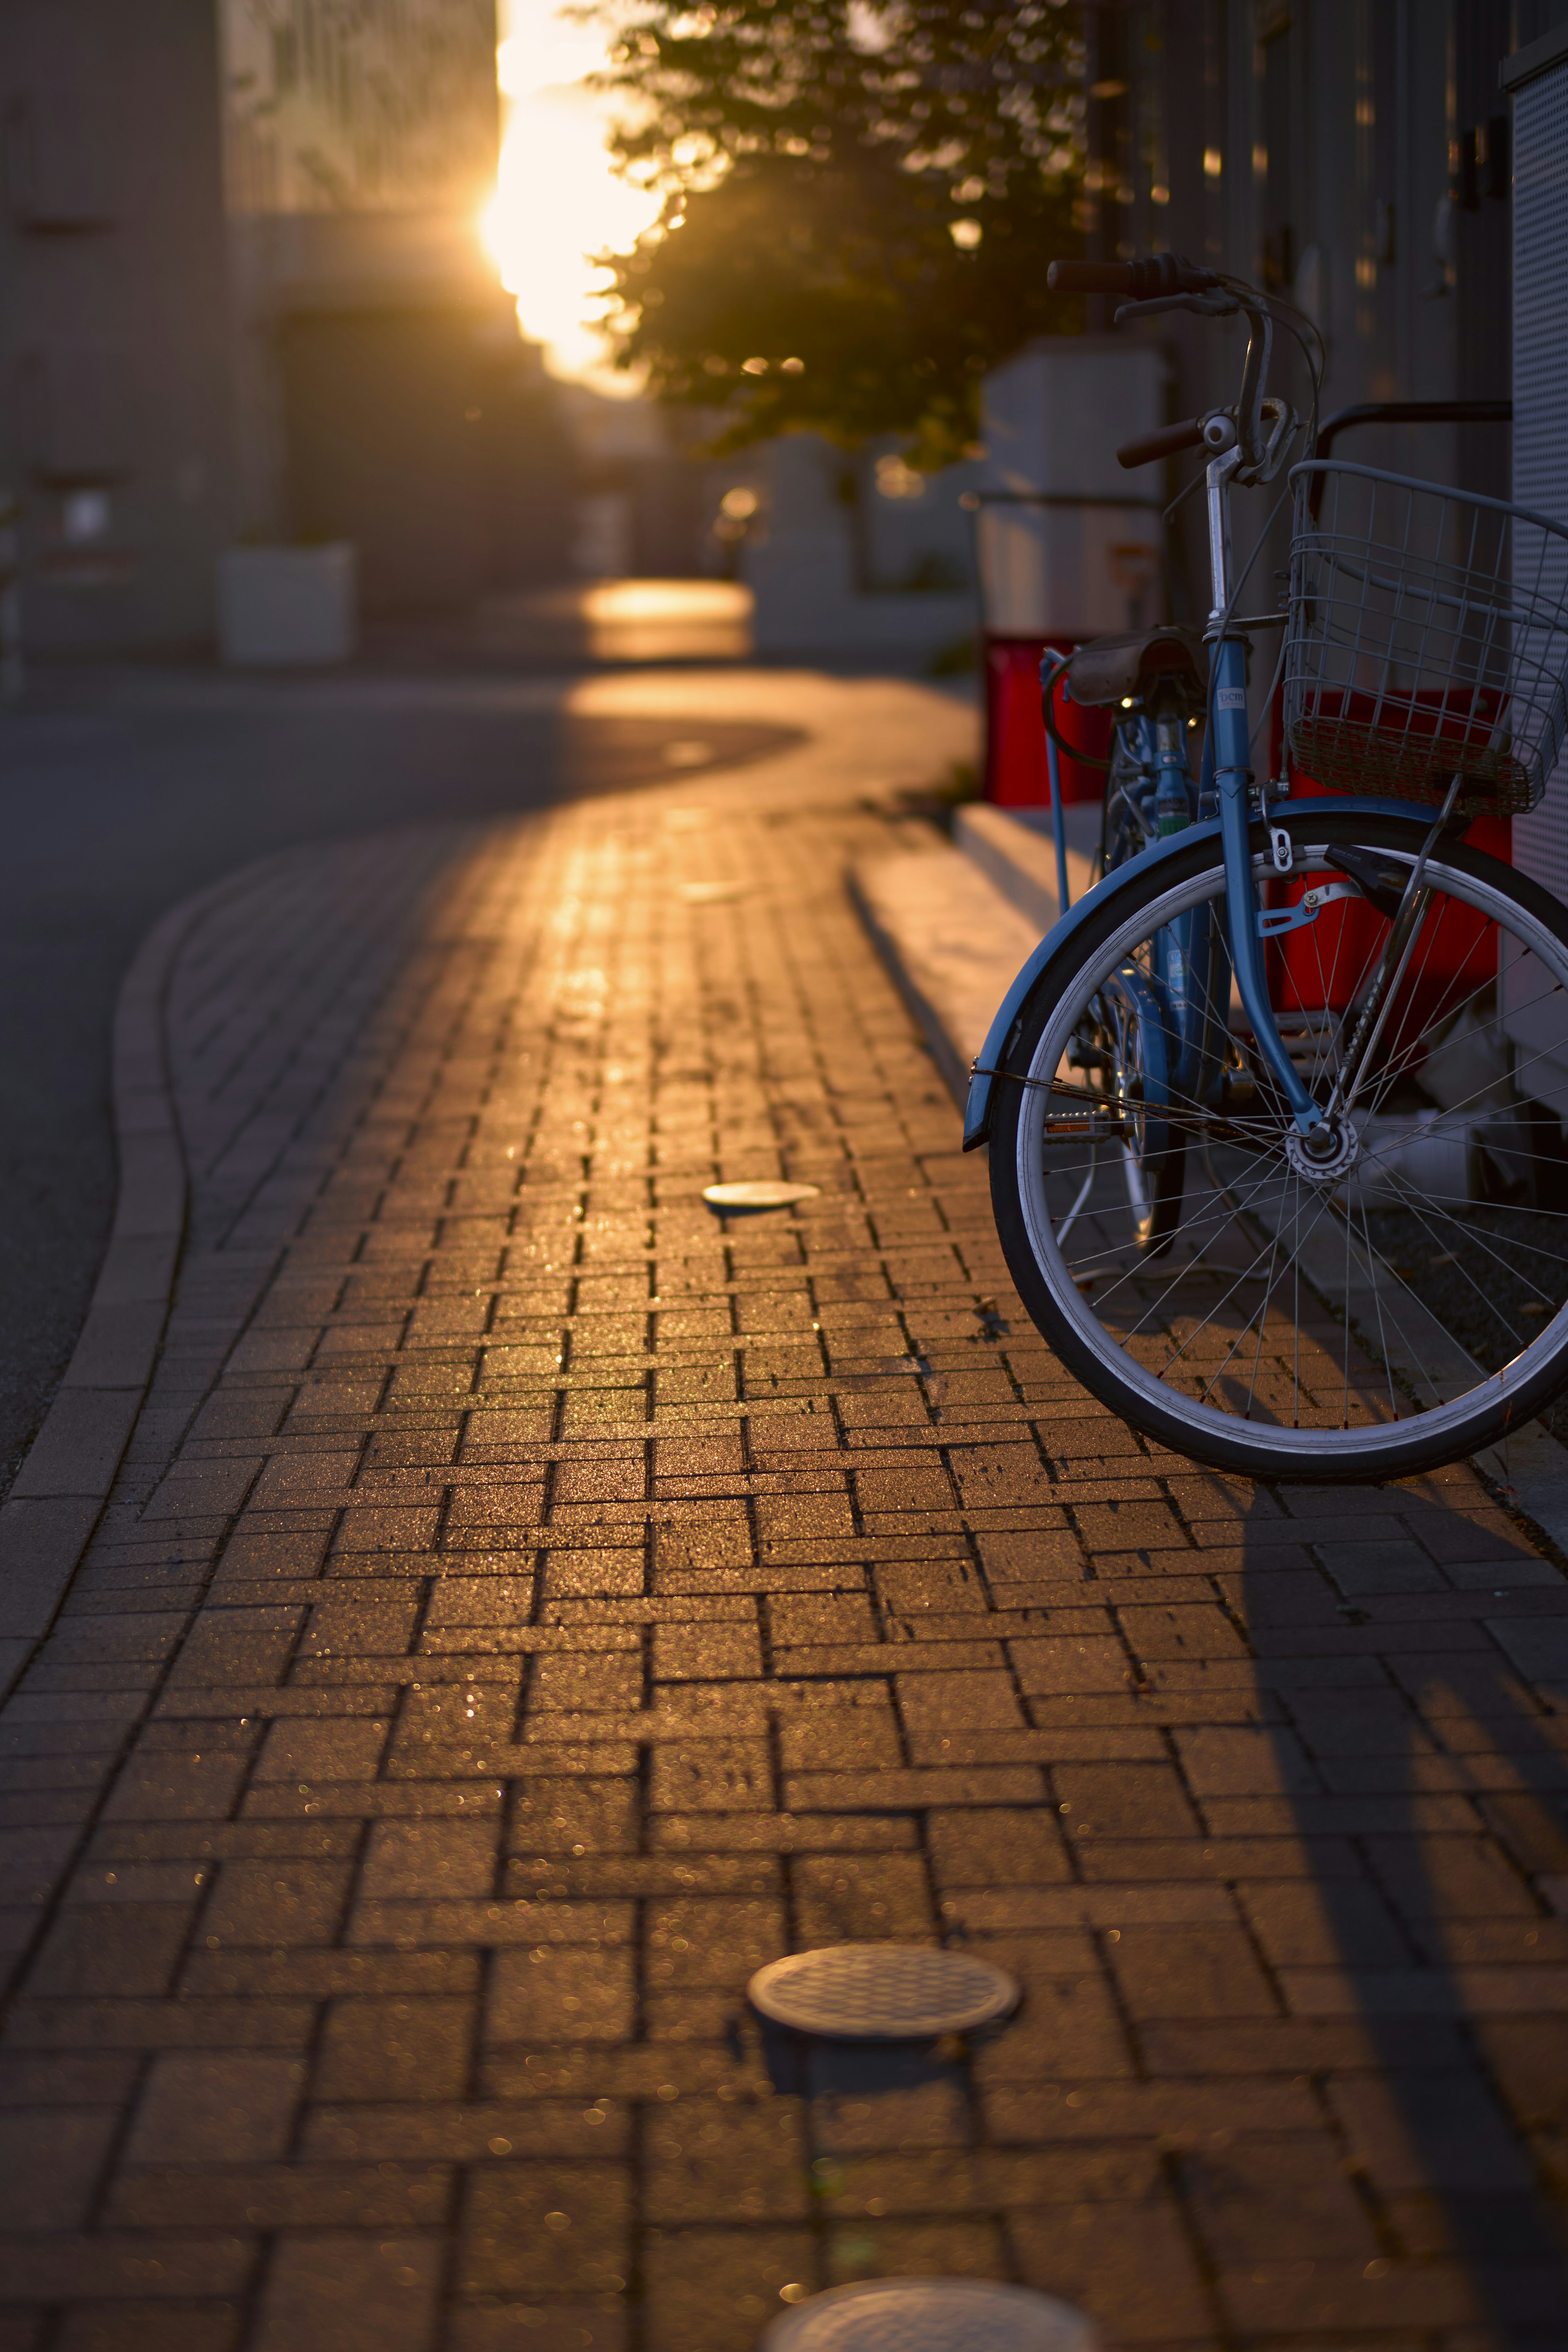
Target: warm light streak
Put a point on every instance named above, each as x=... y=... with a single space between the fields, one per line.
x=558 y=201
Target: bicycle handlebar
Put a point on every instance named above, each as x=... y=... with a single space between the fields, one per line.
x=1090 y=277
x=1164 y=281
x=1160 y=273
x=1168 y=441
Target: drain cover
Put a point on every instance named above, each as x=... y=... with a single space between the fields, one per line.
x=882 y=1993
x=758 y=1196
x=930 y=2315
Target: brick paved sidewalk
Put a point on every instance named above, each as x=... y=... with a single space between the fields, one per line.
x=527 y=1606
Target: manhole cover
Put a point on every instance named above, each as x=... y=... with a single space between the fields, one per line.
x=711 y=894
x=882 y=1993
x=930 y=2315
x=729 y=1197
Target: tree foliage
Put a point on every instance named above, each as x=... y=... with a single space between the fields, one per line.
x=860 y=207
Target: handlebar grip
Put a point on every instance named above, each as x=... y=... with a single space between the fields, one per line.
x=1090 y=277
x=1168 y=441
x=1156 y=274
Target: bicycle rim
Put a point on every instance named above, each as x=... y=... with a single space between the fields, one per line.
x=1399 y=1316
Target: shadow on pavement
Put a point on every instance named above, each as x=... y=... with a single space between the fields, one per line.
x=1419 y=1914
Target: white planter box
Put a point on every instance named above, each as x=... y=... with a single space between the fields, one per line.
x=283 y=606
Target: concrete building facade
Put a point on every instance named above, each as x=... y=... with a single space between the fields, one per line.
x=243 y=296
x=1353 y=154
x=116 y=417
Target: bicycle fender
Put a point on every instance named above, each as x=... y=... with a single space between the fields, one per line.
x=977 y=1109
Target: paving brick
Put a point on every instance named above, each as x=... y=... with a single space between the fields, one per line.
x=50 y=2161
x=151 y=2327
x=1117 y=1800
x=694 y=1943
x=216 y=2109
x=93 y=1949
x=885 y=2097
x=1418 y=2131
x=1069 y=2029
x=990 y=1849
x=1158 y=2299
x=893 y=1790
x=417 y=2048
x=1059 y=1664
x=705 y=1653
x=338 y=2291
x=720 y=1776
x=296 y=1750
x=855 y=1898
x=799 y=1620
x=430 y=1858
x=492 y=2327
x=108 y=2265
x=959 y=1702
x=530 y=2231
x=189 y=1785
x=275 y=1903
x=607 y=1683
x=238 y=1645
x=289 y=2196
x=709 y=2289
x=463 y=2131
x=711 y=2162
x=560 y=1994
x=515 y=1730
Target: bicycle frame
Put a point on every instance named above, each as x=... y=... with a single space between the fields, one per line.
x=1225 y=784
x=1229 y=734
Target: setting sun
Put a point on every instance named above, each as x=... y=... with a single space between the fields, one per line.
x=558 y=201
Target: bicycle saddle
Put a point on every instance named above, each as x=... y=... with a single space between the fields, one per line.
x=1112 y=669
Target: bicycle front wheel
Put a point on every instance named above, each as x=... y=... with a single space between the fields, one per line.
x=1371 y=1325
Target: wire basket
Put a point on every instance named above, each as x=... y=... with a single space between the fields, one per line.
x=1427 y=638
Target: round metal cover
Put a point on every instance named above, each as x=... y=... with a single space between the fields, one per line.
x=930 y=2315
x=882 y=1993
x=758 y=1196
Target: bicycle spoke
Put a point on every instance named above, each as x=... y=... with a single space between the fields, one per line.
x=1246 y=1291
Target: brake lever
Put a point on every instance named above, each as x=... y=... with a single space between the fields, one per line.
x=1217 y=305
x=1287 y=423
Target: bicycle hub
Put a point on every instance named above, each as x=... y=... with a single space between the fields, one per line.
x=1326 y=1152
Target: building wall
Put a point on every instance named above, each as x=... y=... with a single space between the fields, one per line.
x=416 y=423
x=387 y=108
x=1342 y=152
x=383 y=391
x=115 y=425
x=242 y=295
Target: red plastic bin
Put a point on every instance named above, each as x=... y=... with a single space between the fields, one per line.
x=1015 y=772
x=1316 y=967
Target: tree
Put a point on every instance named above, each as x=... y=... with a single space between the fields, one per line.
x=860 y=207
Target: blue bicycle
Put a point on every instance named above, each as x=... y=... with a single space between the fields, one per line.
x=1277 y=1113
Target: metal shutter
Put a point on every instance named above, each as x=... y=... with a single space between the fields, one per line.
x=1540 y=385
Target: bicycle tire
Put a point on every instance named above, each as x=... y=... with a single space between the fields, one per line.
x=1395 y=1430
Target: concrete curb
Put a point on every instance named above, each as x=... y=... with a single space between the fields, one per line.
x=951 y=944
x=65 y=1480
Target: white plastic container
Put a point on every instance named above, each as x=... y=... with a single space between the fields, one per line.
x=1054 y=418
x=285 y=607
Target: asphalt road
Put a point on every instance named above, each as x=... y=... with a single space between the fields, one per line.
x=121 y=796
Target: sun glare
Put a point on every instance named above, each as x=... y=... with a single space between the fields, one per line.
x=557 y=199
